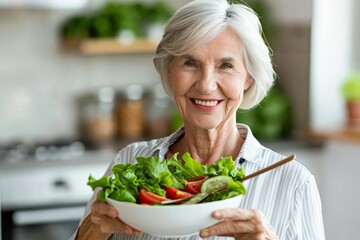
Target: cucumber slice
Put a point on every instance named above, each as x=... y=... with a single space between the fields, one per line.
x=215 y=184
x=208 y=187
x=197 y=198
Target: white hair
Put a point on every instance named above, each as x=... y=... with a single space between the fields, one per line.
x=200 y=21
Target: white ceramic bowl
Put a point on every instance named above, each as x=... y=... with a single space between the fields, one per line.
x=171 y=220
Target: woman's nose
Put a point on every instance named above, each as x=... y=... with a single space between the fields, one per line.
x=206 y=82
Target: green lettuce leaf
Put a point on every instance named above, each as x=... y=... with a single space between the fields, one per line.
x=185 y=169
x=102 y=182
x=157 y=170
x=122 y=195
x=225 y=166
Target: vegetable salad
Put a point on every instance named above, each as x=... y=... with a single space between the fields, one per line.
x=152 y=180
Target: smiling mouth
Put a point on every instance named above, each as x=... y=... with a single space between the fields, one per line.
x=208 y=103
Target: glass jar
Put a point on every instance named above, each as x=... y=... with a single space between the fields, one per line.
x=97 y=115
x=158 y=112
x=130 y=112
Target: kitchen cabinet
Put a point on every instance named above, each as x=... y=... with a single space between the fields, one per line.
x=111 y=46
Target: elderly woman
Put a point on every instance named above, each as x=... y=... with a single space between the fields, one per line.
x=212 y=60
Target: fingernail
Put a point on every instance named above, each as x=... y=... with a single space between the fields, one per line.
x=204 y=233
x=217 y=214
x=114 y=214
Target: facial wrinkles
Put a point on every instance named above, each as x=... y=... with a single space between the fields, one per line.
x=208 y=78
x=232 y=107
x=211 y=62
x=227 y=83
x=180 y=103
x=233 y=100
x=223 y=82
x=194 y=75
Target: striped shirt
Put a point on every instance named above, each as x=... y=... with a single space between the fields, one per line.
x=287 y=196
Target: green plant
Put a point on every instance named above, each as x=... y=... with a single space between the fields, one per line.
x=350 y=88
x=76 y=27
x=112 y=18
x=159 y=12
x=271 y=119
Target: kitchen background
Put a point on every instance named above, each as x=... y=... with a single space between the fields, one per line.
x=62 y=107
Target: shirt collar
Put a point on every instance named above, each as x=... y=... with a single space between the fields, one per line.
x=164 y=144
x=250 y=151
x=251 y=148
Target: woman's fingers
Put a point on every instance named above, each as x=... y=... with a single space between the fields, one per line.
x=104 y=208
x=104 y=217
x=111 y=225
x=237 y=222
x=228 y=228
x=236 y=213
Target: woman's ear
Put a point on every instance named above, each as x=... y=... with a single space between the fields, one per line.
x=248 y=82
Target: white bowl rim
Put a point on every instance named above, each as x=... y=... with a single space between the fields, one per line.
x=170 y=206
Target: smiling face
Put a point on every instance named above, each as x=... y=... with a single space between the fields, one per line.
x=208 y=84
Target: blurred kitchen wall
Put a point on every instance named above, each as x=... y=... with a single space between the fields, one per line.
x=40 y=81
x=335 y=55
x=355 y=44
x=292 y=56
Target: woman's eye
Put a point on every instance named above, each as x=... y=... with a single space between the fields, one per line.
x=190 y=63
x=226 y=65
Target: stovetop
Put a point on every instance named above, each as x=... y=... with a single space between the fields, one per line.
x=50 y=151
x=49 y=174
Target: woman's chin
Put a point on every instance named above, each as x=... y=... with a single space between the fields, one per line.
x=205 y=124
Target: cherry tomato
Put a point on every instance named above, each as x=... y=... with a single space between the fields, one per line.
x=174 y=193
x=194 y=184
x=147 y=197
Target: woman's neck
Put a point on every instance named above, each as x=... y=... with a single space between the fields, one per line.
x=207 y=146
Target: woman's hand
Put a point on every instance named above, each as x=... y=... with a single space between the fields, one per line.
x=101 y=223
x=240 y=224
x=104 y=219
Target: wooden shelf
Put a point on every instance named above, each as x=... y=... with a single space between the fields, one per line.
x=111 y=46
x=347 y=134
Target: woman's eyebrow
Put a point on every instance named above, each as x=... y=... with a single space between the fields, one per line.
x=227 y=59
x=188 y=56
x=222 y=59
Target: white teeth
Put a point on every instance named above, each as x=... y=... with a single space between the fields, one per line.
x=206 y=103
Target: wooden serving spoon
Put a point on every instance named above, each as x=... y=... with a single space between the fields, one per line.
x=268 y=168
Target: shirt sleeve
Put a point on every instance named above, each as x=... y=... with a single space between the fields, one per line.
x=93 y=198
x=306 y=221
